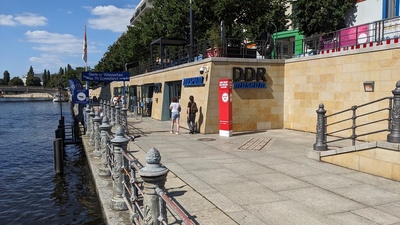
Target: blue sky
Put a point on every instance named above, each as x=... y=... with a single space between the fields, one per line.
x=48 y=34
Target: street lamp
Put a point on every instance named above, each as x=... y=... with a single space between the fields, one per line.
x=273 y=39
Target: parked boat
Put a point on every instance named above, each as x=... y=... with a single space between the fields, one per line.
x=60 y=98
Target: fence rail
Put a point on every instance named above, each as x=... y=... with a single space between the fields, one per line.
x=128 y=175
x=359 y=120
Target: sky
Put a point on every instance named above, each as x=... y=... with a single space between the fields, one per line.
x=48 y=34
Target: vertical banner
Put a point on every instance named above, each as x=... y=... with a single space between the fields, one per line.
x=225 y=107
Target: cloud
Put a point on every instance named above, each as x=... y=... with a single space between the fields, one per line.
x=110 y=18
x=55 y=43
x=7 y=20
x=26 y=19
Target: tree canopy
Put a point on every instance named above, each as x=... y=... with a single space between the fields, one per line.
x=321 y=16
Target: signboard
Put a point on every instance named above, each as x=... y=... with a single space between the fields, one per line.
x=193 y=81
x=105 y=76
x=80 y=96
x=225 y=107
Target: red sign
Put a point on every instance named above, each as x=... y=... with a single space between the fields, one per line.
x=225 y=107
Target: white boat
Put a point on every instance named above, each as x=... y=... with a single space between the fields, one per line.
x=60 y=98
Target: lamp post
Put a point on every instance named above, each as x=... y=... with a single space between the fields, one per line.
x=191 y=30
x=273 y=39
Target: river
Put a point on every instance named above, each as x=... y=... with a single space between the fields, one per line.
x=30 y=191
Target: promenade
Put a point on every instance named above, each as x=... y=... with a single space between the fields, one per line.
x=258 y=178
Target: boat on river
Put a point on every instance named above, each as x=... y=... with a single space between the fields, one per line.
x=60 y=98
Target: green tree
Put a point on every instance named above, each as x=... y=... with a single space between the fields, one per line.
x=16 y=81
x=2 y=82
x=321 y=16
x=44 y=78
x=6 y=77
x=31 y=80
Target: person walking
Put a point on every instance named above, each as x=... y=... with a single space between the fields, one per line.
x=191 y=114
x=175 y=108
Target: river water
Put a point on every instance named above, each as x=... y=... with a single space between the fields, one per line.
x=30 y=191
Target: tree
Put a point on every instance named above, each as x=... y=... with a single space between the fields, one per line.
x=16 y=81
x=6 y=77
x=31 y=80
x=321 y=16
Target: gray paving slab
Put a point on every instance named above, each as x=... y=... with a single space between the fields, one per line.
x=218 y=183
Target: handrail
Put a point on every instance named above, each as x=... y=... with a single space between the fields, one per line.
x=174 y=207
x=354 y=118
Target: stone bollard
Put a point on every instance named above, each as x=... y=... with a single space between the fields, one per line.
x=96 y=122
x=91 y=116
x=87 y=120
x=394 y=136
x=119 y=144
x=123 y=119
x=112 y=115
x=154 y=176
x=117 y=115
x=105 y=130
x=320 y=143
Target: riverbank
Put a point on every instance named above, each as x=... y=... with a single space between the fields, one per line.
x=26 y=97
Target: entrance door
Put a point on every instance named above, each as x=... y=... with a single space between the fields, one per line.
x=172 y=89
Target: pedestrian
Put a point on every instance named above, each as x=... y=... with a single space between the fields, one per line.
x=175 y=108
x=191 y=114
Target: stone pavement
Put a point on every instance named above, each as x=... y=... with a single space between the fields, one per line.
x=262 y=178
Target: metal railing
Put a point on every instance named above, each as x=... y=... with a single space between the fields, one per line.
x=373 y=119
x=353 y=37
x=124 y=169
x=354 y=121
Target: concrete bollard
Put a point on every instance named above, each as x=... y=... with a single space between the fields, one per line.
x=96 y=122
x=112 y=114
x=320 y=143
x=105 y=130
x=394 y=136
x=91 y=116
x=154 y=176
x=119 y=143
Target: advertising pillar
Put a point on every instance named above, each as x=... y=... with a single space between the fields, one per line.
x=225 y=107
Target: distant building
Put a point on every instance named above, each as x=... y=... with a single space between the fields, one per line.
x=143 y=7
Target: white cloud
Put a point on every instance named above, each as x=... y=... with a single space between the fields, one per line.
x=31 y=20
x=110 y=18
x=26 y=19
x=7 y=20
x=55 y=43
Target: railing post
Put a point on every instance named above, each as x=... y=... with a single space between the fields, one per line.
x=87 y=120
x=117 y=115
x=105 y=131
x=91 y=116
x=123 y=119
x=112 y=114
x=320 y=143
x=119 y=144
x=96 y=122
x=108 y=111
x=394 y=136
x=154 y=176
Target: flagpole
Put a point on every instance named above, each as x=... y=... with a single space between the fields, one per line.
x=84 y=55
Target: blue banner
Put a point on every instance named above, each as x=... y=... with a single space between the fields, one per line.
x=80 y=96
x=105 y=76
x=74 y=83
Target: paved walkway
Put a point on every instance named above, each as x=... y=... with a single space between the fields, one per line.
x=263 y=178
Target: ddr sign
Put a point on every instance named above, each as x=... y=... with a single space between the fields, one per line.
x=105 y=76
